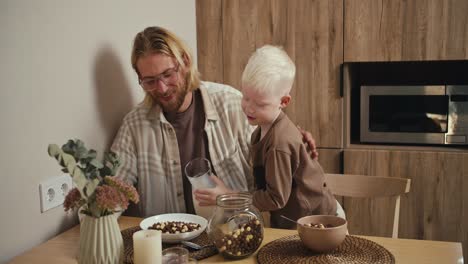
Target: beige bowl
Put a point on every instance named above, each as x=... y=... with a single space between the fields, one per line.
x=322 y=239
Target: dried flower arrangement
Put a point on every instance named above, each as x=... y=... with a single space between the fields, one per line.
x=97 y=192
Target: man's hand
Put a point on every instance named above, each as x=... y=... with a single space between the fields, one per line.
x=309 y=140
x=207 y=197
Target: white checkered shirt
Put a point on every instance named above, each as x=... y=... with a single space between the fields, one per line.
x=147 y=145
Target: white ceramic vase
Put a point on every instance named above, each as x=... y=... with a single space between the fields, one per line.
x=100 y=241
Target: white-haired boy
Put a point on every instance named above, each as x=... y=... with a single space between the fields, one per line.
x=288 y=181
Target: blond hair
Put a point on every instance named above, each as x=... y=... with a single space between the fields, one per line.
x=153 y=40
x=269 y=69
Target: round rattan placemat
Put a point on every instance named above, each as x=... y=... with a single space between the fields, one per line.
x=353 y=250
x=202 y=239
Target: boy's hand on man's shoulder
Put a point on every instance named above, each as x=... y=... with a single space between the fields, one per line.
x=310 y=141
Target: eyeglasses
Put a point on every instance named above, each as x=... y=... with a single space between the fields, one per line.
x=168 y=76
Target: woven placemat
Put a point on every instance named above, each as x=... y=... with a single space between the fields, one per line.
x=353 y=250
x=202 y=240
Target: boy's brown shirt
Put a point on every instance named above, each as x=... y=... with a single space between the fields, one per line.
x=288 y=181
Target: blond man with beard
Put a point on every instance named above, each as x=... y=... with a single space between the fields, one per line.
x=181 y=118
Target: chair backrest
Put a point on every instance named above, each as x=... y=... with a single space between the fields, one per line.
x=369 y=187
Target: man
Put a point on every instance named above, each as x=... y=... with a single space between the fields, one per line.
x=181 y=118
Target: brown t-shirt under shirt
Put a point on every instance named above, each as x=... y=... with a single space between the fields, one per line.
x=191 y=139
x=288 y=181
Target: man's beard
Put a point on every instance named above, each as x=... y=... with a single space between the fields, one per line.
x=174 y=105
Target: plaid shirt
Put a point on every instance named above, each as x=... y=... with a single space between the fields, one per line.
x=147 y=145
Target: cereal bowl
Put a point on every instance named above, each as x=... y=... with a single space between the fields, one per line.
x=167 y=237
x=322 y=238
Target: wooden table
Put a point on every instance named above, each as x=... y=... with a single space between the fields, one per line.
x=64 y=247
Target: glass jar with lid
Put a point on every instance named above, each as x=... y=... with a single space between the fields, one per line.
x=236 y=226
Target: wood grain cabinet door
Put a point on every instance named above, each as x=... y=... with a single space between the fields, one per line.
x=436 y=207
x=330 y=160
x=229 y=31
x=405 y=30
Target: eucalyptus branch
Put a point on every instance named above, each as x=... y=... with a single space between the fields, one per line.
x=82 y=164
x=96 y=192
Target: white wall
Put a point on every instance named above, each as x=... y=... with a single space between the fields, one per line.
x=65 y=73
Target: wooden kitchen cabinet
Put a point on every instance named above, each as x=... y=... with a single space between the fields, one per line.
x=330 y=160
x=210 y=40
x=229 y=31
x=401 y=30
x=436 y=207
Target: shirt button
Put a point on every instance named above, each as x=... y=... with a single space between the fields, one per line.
x=174 y=162
x=324 y=184
x=179 y=194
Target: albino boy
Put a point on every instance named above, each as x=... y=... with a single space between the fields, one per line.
x=288 y=181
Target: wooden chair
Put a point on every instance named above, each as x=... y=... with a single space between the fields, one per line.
x=361 y=186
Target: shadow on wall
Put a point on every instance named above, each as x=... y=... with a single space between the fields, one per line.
x=114 y=98
x=69 y=220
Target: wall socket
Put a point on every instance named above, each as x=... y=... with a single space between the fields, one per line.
x=52 y=192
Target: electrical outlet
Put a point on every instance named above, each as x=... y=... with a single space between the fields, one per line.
x=52 y=192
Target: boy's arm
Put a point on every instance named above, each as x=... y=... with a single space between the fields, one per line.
x=278 y=179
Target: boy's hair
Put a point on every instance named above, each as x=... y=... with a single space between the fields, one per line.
x=269 y=69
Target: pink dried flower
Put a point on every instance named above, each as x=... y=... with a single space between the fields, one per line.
x=73 y=200
x=128 y=190
x=109 y=198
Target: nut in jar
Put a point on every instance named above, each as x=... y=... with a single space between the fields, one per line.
x=236 y=227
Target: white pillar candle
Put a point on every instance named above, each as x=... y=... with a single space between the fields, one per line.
x=147 y=247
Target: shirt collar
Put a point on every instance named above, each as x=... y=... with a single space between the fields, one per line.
x=210 y=110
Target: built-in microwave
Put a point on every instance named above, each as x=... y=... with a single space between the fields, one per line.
x=429 y=114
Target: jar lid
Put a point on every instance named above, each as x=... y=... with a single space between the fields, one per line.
x=234 y=200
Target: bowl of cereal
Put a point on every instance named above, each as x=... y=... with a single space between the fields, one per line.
x=322 y=233
x=176 y=227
